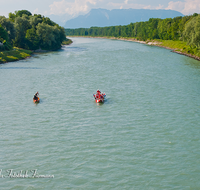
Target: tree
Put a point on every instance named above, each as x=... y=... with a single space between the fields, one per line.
x=3 y=34
x=31 y=32
x=34 y=21
x=32 y=39
x=22 y=12
x=164 y=29
x=21 y=26
x=9 y=27
x=12 y=17
x=191 y=33
x=50 y=37
x=47 y=20
x=46 y=36
x=4 y=45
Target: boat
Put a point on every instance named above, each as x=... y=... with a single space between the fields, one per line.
x=36 y=100
x=99 y=97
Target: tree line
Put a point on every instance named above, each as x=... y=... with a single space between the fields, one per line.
x=185 y=28
x=32 y=32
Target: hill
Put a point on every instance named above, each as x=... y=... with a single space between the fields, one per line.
x=103 y=17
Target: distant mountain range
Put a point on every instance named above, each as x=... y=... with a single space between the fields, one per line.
x=103 y=17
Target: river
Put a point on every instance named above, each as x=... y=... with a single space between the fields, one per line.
x=146 y=135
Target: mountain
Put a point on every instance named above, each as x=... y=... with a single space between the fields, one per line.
x=103 y=17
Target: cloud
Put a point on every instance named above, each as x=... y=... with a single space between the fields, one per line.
x=77 y=7
x=187 y=7
x=71 y=8
x=178 y=6
x=125 y=5
x=160 y=6
x=126 y=1
x=36 y=11
x=154 y=7
x=184 y=6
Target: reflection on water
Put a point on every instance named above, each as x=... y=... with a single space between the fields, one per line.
x=193 y=63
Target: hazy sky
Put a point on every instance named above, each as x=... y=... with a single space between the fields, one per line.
x=76 y=7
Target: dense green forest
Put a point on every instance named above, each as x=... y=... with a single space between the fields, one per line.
x=185 y=29
x=32 y=32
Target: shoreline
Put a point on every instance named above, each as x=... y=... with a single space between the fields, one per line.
x=11 y=56
x=19 y=54
x=160 y=44
x=14 y=55
x=148 y=42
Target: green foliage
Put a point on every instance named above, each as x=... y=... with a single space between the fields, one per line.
x=33 y=32
x=47 y=20
x=45 y=34
x=12 y=17
x=9 y=28
x=195 y=14
x=67 y=42
x=3 y=34
x=22 y=24
x=191 y=33
x=34 y=21
x=173 y=32
x=14 y=55
x=4 y=45
x=22 y=12
x=32 y=39
x=155 y=28
x=50 y=37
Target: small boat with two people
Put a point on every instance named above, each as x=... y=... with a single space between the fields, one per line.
x=99 y=97
x=36 y=98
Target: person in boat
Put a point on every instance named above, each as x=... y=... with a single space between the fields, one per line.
x=36 y=96
x=96 y=96
x=98 y=91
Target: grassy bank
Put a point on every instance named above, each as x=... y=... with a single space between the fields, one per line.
x=14 y=55
x=18 y=53
x=67 y=42
x=178 y=47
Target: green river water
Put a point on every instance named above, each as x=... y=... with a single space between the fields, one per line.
x=146 y=135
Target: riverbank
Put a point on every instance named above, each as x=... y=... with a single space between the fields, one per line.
x=179 y=47
x=67 y=42
x=18 y=54
x=14 y=55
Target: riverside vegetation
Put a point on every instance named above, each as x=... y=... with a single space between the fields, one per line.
x=23 y=33
x=181 y=34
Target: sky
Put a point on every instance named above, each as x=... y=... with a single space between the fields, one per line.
x=73 y=8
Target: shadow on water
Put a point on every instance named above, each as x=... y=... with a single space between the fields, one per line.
x=194 y=63
x=108 y=101
x=73 y=49
x=20 y=68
